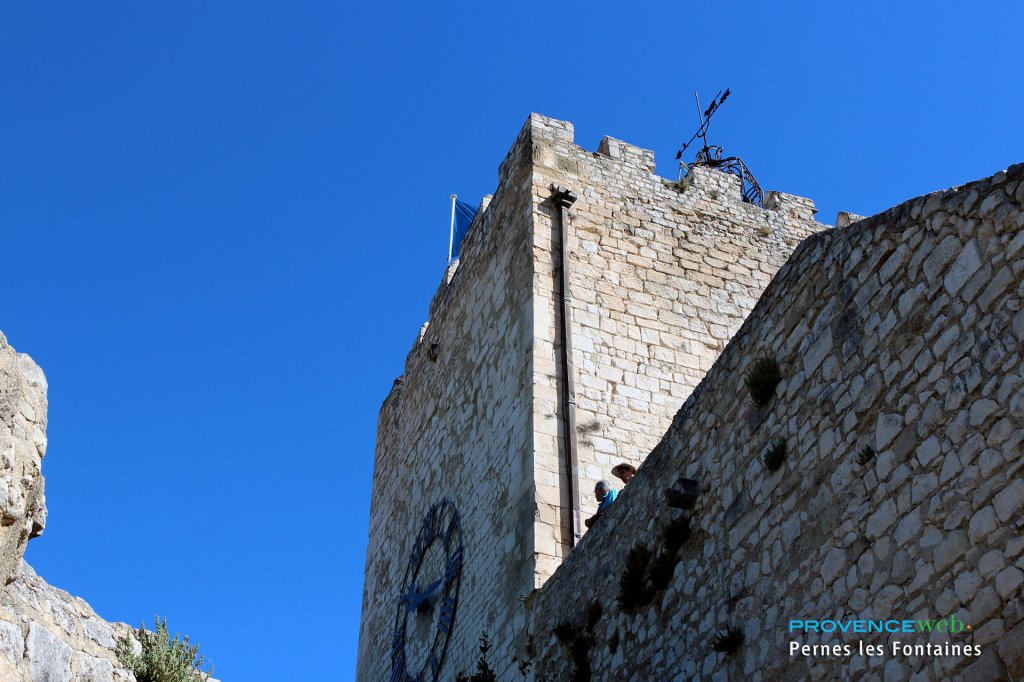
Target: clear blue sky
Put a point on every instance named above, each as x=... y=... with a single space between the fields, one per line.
x=222 y=224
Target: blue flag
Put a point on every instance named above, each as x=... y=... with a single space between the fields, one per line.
x=464 y=214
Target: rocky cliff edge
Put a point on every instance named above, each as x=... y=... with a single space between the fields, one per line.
x=46 y=634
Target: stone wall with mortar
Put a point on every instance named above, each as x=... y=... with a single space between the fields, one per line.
x=661 y=278
x=902 y=332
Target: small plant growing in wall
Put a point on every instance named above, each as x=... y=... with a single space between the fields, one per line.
x=565 y=632
x=775 y=454
x=762 y=379
x=483 y=673
x=661 y=570
x=613 y=643
x=525 y=664
x=647 y=573
x=713 y=193
x=866 y=454
x=159 y=658
x=679 y=185
x=635 y=589
x=727 y=641
x=676 y=533
x=579 y=641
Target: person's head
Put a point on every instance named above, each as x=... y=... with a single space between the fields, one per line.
x=624 y=471
x=601 y=489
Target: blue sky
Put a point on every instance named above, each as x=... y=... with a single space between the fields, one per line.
x=222 y=224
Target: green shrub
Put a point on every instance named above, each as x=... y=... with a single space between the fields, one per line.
x=484 y=672
x=866 y=454
x=162 y=659
x=635 y=590
x=579 y=641
x=762 y=378
x=727 y=641
x=579 y=652
x=662 y=569
x=680 y=185
x=676 y=533
x=775 y=454
x=613 y=643
x=646 y=573
x=565 y=632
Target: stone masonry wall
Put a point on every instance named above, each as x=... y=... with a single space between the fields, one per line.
x=660 y=280
x=902 y=332
x=458 y=425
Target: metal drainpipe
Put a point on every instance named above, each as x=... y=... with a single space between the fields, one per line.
x=563 y=199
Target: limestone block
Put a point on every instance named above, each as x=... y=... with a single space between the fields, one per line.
x=1008 y=581
x=49 y=657
x=982 y=524
x=981 y=409
x=12 y=641
x=966 y=586
x=908 y=528
x=1007 y=504
x=988 y=667
x=965 y=265
x=1011 y=650
x=949 y=551
x=986 y=603
x=833 y=566
x=92 y=669
x=886 y=429
x=881 y=520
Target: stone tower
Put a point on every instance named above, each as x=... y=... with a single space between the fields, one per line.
x=659 y=278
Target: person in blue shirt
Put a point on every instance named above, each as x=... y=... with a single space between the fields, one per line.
x=605 y=496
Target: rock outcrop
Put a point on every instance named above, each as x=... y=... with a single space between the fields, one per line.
x=22 y=446
x=46 y=634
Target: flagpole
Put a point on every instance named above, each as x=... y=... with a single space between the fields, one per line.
x=451 y=231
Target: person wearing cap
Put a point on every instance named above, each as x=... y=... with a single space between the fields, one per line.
x=624 y=472
x=605 y=495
